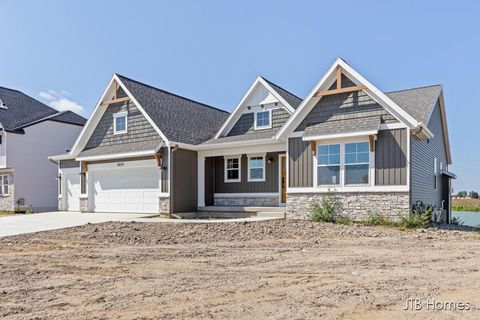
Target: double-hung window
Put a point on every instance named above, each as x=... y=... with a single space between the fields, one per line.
x=357 y=163
x=435 y=172
x=232 y=169
x=256 y=168
x=328 y=165
x=4 y=181
x=120 y=123
x=263 y=119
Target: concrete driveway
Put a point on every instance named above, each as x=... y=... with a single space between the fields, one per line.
x=28 y=223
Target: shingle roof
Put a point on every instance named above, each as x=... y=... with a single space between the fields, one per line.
x=22 y=110
x=63 y=116
x=178 y=118
x=343 y=126
x=417 y=102
x=120 y=148
x=256 y=135
x=292 y=99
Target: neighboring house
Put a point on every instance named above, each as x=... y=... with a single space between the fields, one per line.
x=146 y=150
x=30 y=132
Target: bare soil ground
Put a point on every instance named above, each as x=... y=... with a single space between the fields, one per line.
x=275 y=269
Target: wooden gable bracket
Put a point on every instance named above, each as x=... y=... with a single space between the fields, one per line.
x=313 y=146
x=339 y=88
x=371 y=138
x=84 y=166
x=115 y=99
x=158 y=157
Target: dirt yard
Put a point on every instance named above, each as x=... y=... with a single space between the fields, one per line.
x=269 y=270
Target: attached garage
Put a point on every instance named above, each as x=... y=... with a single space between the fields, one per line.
x=132 y=189
x=72 y=190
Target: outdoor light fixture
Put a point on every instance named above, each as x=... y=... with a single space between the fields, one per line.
x=270 y=160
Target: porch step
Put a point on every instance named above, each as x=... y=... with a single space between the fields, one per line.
x=265 y=214
x=241 y=209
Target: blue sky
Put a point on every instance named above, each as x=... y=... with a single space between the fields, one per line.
x=65 y=52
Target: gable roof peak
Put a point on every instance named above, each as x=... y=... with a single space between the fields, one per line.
x=169 y=93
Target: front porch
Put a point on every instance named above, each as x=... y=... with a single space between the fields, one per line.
x=242 y=182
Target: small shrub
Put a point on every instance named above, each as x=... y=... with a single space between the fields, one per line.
x=29 y=211
x=344 y=219
x=456 y=221
x=328 y=210
x=377 y=219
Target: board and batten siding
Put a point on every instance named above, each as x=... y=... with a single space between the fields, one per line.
x=138 y=128
x=269 y=185
x=422 y=163
x=184 y=181
x=300 y=163
x=391 y=157
x=245 y=124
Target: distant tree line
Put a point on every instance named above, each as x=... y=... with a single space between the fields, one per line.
x=465 y=194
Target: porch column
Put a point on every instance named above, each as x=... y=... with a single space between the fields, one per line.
x=201 y=181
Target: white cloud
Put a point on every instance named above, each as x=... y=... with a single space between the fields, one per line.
x=59 y=101
x=47 y=96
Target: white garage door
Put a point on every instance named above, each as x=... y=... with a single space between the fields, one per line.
x=72 y=192
x=126 y=190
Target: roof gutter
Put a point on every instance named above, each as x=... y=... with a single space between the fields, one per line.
x=422 y=132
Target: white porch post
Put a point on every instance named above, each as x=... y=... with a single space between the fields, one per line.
x=201 y=181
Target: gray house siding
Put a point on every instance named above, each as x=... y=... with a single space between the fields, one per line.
x=245 y=123
x=138 y=129
x=391 y=157
x=422 y=163
x=184 y=181
x=271 y=177
x=300 y=163
x=345 y=106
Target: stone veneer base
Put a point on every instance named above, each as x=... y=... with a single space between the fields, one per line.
x=357 y=205
x=239 y=201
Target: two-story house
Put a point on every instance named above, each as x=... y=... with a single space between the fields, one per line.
x=30 y=131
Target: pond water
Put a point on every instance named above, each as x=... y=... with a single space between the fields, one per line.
x=468 y=218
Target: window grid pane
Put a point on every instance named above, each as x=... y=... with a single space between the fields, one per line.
x=263 y=118
x=328 y=154
x=256 y=165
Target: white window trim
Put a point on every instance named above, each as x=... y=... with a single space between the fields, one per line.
x=342 y=186
x=353 y=164
x=328 y=165
x=225 y=158
x=249 y=179
x=269 y=117
x=118 y=115
x=2 y=185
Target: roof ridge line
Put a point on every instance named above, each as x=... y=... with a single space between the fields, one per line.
x=293 y=94
x=415 y=88
x=173 y=94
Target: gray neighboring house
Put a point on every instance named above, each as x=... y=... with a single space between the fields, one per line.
x=30 y=131
x=147 y=150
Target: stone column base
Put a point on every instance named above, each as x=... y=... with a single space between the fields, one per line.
x=60 y=203
x=83 y=204
x=164 y=205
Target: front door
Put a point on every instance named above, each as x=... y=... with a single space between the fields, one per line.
x=283 y=181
